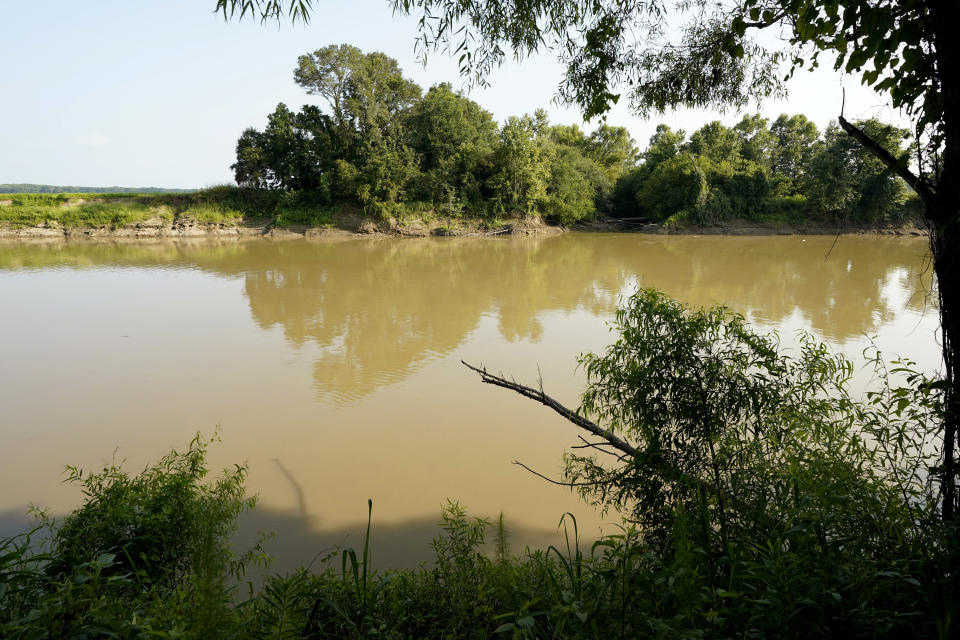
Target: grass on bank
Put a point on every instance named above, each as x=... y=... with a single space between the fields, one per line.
x=229 y=206
x=222 y=205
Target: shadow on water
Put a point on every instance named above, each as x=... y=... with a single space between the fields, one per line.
x=296 y=542
x=393 y=545
x=297 y=538
x=13 y=522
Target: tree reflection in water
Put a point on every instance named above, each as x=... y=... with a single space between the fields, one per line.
x=381 y=308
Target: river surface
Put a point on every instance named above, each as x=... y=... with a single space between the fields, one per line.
x=333 y=367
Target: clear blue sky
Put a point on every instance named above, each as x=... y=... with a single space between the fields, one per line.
x=156 y=92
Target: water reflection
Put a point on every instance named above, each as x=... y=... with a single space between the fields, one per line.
x=333 y=367
x=380 y=309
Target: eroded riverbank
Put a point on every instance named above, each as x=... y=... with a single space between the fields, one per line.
x=159 y=229
x=233 y=213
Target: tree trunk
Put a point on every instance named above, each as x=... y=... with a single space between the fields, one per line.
x=945 y=245
x=943 y=213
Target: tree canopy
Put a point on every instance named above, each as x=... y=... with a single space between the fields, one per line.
x=381 y=143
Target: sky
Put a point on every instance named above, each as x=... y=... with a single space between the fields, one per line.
x=156 y=92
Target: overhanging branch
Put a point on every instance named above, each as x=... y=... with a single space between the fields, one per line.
x=917 y=183
x=538 y=395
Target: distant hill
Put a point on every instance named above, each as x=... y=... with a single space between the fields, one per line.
x=47 y=188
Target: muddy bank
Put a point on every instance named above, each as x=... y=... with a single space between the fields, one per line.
x=351 y=226
x=748 y=228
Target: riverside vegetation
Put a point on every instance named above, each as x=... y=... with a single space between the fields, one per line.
x=759 y=499
x=384 y=150
x=845 y=531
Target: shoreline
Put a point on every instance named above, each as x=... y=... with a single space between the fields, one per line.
x=151 y=230
x=234 y=213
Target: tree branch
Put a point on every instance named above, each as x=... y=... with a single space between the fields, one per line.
x=917 y=183
x=599 y=447
x=559 y=482
x=542 y=398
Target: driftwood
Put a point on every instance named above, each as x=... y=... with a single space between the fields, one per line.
x=609 y=439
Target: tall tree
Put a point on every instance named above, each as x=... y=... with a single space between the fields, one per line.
x=796 y=143
x=665 y=143
x=454 y=137
x=756 y=140
x=327 y=73
x=614 y=149
x=715 y=141
x=520 y=184
x=846 y=181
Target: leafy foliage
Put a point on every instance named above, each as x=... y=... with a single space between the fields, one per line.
x=145 y=556
x=387 y=149
x=780 y=172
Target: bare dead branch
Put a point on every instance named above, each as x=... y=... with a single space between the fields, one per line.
x=558 y=482
x=917 y=183
x=541 y=397
x=598 y=446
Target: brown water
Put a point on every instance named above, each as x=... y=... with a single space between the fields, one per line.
x=332 y=367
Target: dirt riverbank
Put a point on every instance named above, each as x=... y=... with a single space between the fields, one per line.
x=159 y=228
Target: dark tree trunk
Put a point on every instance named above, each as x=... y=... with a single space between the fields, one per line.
x=943 y=214
x=945 y=245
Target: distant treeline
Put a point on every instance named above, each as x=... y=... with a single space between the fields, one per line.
x=382 y=144
x=49 y=188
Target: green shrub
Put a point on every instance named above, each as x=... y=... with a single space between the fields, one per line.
x=144 y=552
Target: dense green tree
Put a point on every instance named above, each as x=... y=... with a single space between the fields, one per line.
x=847 y=182
x=327 y=72
x=292 y=152
x=832 y=179
x=614 y=149
x=362 y=89
x=570 y=135
x=520 y=184
x=757 y=141
x=716 y=142
x=377 y=92
x=388 y=169
x=574 y=186
x=665 y=143
x=357 y=152
x=388 y=150
x=677 y=185
x=455 y=139
x=796 y=145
